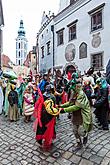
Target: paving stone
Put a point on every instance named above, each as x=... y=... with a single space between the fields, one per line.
x=55 y=163
x=102 y=152
x=24 y=162
x=63 y=161
x=36 y=158
x=5 y=161
x=108 y=154
x=86 y=155
x=67 y=155
x=50 y=159
x=96 y=159
x=97 y=148
x=107 y=146
x=105 y=161
x=75 y=159
x=86 y=162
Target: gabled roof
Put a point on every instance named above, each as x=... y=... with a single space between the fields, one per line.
x=6 y=61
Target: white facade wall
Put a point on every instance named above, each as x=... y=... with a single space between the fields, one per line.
x=80 y=11
x=63 y=4
x=44 y=37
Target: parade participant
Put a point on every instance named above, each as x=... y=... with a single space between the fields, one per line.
x=89 y=77
x=42 y=84
x=20 y=91
x=45 y=114
x=6 y=103
x=101 y=103
x=28 y=104
x=1 y=97
x=59 y=84
x=81 y=113
x=13 y=104
x=88 y=90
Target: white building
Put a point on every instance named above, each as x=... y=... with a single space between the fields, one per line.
x=45 y=43
x=80 y=34
x=21 y=45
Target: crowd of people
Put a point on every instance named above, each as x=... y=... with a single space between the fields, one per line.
x=47 y=96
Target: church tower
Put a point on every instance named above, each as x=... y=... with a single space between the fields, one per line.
x=21 y=45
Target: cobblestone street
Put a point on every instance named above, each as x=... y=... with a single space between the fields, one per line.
x=18 y=145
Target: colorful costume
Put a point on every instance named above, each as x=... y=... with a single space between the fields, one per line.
x=101 y=104
x=45 y=115
x=81 y=112
x=28 y=105
x=20 y=90
x=13 y=104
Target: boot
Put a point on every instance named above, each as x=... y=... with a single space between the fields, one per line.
x=78 y=146
x=85 y=139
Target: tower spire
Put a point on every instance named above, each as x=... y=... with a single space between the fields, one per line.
x=21 y=31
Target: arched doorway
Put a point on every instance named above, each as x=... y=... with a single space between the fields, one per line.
x=69 y=69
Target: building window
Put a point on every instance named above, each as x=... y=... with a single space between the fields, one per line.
x=96 y=21
x=96 y=17
x=72 y=32
x=48 y=48
x=42 y=51
x=19 y=62
x=60 y=37
x=19 y=54
x=97 y=61
x=83 y=50
x=19 y=45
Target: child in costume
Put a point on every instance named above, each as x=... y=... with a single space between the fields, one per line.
x=81 y=112
x=45 y=114
x=13 y=113
x=28 y=104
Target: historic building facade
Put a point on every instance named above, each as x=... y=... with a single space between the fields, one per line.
x=21 y=45
x=45 y=43
x=80 y=35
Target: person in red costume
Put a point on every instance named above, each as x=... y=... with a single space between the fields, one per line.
x=45 y=114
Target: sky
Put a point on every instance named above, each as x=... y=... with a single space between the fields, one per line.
x=31 y=12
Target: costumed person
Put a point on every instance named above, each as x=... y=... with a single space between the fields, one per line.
x=59 y=84
x=6 y=103
x=45 y=114
x=89 y=76
x=28 y=104
x=101 y=103
x=1 y=97
x=13 y=113
x=20 y=90
x=43 y=82
x=88 y=90
x=81 y=113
